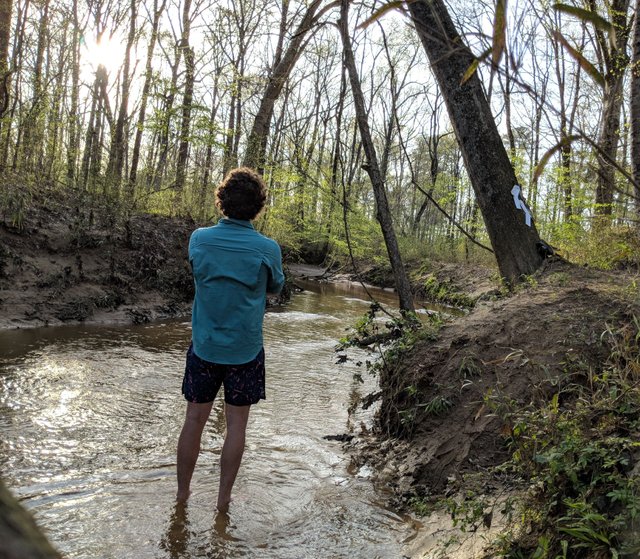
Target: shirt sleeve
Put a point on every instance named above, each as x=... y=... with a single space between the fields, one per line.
x=192 y=242
x=274 y=265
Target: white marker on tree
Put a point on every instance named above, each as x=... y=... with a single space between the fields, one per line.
x=520 y=204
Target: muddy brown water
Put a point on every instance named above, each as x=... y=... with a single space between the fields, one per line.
x=90 y=415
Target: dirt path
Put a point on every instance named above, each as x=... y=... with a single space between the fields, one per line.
x=307 y=271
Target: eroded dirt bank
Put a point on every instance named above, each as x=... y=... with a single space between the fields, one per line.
x=440 y=432
x=65 y=265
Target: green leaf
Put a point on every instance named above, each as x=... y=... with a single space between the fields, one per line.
x=474 y=66
x=586 y=65
x=393 y=5
x=585 y=15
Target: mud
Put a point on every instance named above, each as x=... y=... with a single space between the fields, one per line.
x=521 y=347
x=64 y=264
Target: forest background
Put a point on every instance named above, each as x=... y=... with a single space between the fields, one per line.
x=144 y=106
x=383 y=136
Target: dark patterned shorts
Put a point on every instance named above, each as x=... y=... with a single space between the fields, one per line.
x=243 y=384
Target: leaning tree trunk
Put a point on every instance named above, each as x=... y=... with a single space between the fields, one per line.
x=257 y=141
x=512 y=233
x=20 y=537
x=635 y=107
x=383 y=214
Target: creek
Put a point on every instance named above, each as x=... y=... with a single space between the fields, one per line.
x=90 y=416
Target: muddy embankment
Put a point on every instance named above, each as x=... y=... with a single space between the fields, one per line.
x=439 y=432
x=68 y=261
x=62 y=265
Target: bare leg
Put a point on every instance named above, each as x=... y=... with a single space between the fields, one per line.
x=232 y=450
x=189 y=445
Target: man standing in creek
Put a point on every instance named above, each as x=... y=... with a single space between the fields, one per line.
x=234 y=268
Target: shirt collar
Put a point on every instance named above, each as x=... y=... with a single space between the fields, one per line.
x=233 y=221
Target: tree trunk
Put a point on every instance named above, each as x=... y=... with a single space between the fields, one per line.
x=117 y=155
x=16 y=62
x=228 y=161
x=206 y=177
x=187 y=98
x=336 y=156
x=614 y=52
x=32 y=138
x=257 y=142
x=564 y=177
x=383 y=215
x=92 y=157
x=5 y=35
x=74 y=124
x=512 y=233
x=635 y=107
x=165 y=129
x=148 y=74
x=55 y=114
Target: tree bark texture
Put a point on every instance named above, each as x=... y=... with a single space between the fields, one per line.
x=144 y=98
x=165 y=131
x=187 y=98
x=33 y=129
x=257 y=142
x=635 y=107
x=614 y=52
x=383 y=214
x=20 y=537
x=74 y=124
x=12 y=104
x=5 y=34
x=117 y=155
x=490 y=171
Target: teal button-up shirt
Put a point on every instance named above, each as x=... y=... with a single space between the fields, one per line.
x=234 y=267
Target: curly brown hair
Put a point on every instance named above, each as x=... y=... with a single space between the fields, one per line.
x=242 y=194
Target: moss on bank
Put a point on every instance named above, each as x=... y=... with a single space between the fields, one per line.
x=444 y=292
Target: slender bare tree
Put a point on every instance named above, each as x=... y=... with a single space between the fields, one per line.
x=5 y=35
x=283 y=63
x=383 y=215
x=635 y=106
x=613 y=59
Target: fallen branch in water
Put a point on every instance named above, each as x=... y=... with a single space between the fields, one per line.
x=375 y=339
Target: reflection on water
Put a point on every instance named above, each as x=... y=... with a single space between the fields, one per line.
x=90 y=416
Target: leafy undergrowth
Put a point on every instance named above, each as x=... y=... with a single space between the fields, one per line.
x=526 y=411
x=443 y=292
x=579 y=456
